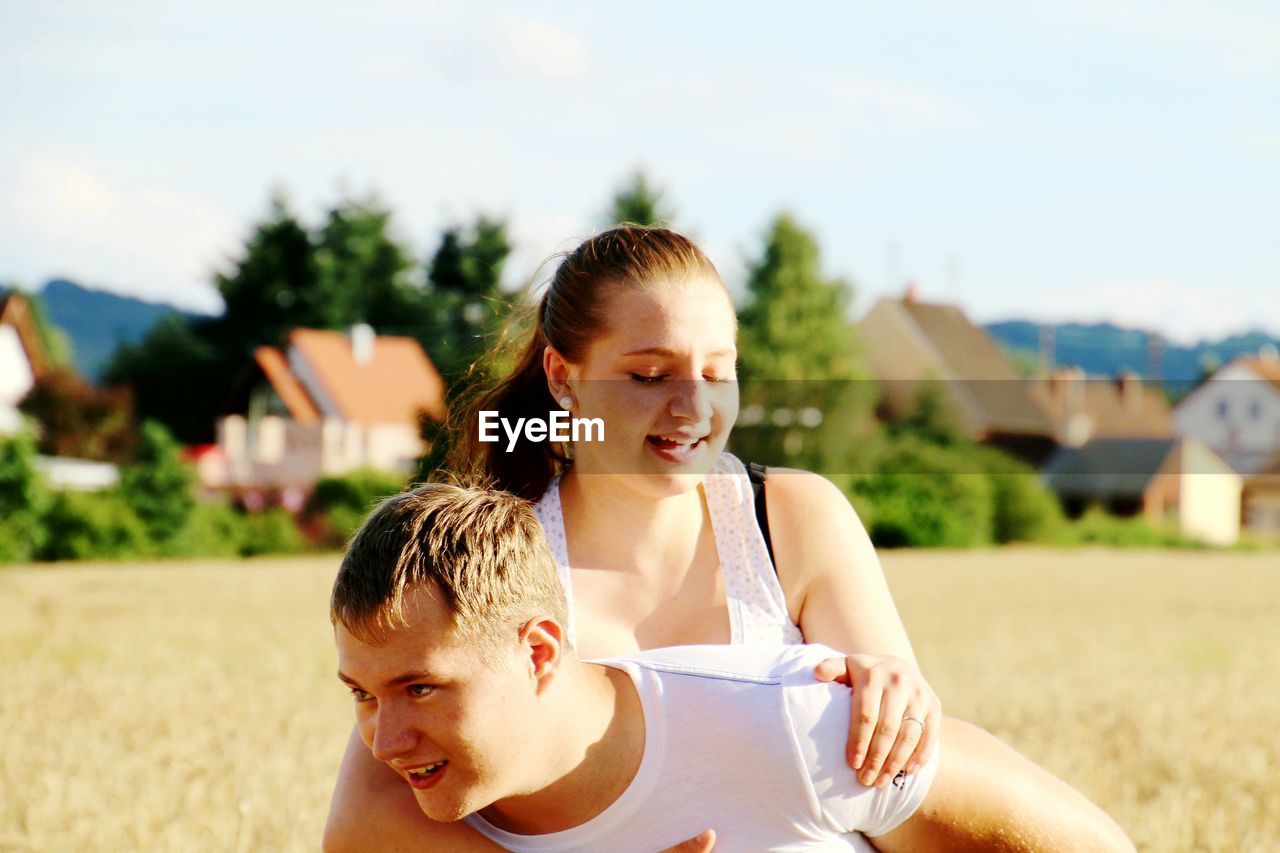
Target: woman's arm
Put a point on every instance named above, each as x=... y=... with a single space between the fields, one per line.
x=986 y=795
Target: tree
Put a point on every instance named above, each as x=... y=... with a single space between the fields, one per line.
x=179 y=375
x=638 y=202
x=798 y=359
x=275 y=287
x=159 y=487
x=81 y=421
x=466 y=307
x=363 y=273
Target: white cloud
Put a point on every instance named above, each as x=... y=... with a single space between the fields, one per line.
x=145 y=239
x=542 y=49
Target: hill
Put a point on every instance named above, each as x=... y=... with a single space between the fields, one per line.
x=97 y=322
x=1104 y=349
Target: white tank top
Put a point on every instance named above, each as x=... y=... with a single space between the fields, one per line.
x=757 y=608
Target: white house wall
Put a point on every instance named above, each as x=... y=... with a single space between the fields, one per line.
x=16 y=378
x=1251 y=423
x=1209 y=497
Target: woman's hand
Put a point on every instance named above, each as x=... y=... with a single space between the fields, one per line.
x=698 y=844
x=896 y=716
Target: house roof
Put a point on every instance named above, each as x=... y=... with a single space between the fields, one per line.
x=978 y=363
x=1112 y=414
x=393 y=386
x=1108 y=467
x=15 y=312
x=1267 y=368
x=275 y=367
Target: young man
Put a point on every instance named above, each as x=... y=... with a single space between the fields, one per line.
x=450 y=629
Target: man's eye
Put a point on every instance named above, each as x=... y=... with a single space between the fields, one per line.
x=640 y=377
x=420 y=690
x=360 y=695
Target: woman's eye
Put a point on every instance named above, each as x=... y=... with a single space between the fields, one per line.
x=420 y=690
x=718 y=379
x=640 y=377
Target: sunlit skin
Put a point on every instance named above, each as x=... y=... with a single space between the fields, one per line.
x=514 y=727
x=671 y=375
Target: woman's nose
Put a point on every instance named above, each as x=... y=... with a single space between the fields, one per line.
x=691 y=400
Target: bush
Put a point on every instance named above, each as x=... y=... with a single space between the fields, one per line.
x=1097 y=527
x=921 y=495
x=21 y=500
x=271 y=531
x=213 y=530
x=344 y=502
x=101 y=525
x=160 y=487
x=1023 y=508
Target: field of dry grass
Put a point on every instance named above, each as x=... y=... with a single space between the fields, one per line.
x=193 y=706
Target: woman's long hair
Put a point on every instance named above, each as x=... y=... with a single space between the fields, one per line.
x=569 y=316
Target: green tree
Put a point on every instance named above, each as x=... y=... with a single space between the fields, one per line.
x=159 y=487
x=638 y=202
x=179 y=375
x=804 y=403
x=364 y=274
x=273 y=288
x=466 y=304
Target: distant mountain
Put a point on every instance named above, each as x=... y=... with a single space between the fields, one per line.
x=97 y=322
x=1103 y=349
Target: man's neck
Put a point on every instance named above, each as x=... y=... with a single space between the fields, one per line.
x=599 y=730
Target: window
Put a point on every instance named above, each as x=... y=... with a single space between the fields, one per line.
x=1255 y=410
x=1224 y=409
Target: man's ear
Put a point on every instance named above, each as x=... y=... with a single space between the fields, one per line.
x=542 y=648
x=560 y=374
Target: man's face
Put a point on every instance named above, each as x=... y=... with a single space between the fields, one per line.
x=450 y=721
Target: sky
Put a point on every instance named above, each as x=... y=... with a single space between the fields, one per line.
x=1089 y=160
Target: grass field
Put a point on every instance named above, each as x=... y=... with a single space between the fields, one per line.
x=193 y=706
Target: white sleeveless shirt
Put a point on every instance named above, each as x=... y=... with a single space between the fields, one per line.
x=757 y=607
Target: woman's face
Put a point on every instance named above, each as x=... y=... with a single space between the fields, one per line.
x=662 y=378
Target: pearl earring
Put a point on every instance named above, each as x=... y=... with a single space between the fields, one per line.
x=566 y=402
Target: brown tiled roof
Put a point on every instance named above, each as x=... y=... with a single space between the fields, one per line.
x=985 y=373
x=397 y=383
x=14 y=312
x=295 y=398
x=1110 y=413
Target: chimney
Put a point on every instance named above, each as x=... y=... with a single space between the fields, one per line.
x=1066 y=393
x=362 y=343
x=912 y=293
x=1129 y=386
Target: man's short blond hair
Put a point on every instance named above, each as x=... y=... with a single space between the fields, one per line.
x=482 y=552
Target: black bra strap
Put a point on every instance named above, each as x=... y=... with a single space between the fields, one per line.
x=756 y=473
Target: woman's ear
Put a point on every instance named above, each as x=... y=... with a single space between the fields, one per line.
x=559 y=375
x=542 y=648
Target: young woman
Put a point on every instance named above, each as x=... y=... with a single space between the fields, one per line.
x=655 y=530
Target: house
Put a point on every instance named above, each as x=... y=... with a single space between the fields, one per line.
x=1165 y=480
x=1084 y=408
x=23 y=360
x=911 y=344
x=325 y=404
x=1236 y=412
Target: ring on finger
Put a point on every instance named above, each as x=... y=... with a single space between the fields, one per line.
x=917 y=720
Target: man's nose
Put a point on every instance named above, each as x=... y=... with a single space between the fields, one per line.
x=691 y=400
x=393 y=736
